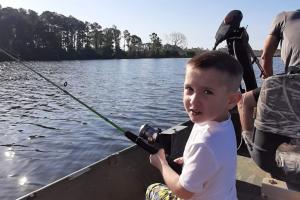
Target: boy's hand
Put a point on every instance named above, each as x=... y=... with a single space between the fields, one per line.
x=158 y=159
x=179 y=160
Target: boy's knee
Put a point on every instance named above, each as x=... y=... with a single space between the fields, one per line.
x=152 y=187
x=153 y=190
x=159 y=191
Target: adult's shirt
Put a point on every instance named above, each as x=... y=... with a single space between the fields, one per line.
x=286 y=27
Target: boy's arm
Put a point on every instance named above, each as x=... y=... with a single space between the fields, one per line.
x=171 y=178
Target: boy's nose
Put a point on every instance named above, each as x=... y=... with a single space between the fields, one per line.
x=194 y=99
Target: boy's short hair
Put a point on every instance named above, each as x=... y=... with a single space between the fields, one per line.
x=220 y=61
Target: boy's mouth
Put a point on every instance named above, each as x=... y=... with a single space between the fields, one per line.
x=194 y=112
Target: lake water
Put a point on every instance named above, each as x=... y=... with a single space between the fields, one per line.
x=45 y=135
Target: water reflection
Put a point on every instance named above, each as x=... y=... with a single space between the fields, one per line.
x=10 y=154
x=22 y=181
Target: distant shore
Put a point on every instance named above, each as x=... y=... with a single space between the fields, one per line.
x=50 y=36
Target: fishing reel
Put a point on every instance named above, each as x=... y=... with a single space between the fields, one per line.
x=151 y=139
x=148 y=138
x=156 y=140
x=149 y=133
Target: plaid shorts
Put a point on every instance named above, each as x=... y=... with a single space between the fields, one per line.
x=159 y=191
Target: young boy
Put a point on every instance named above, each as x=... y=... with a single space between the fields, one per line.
x=209 y=160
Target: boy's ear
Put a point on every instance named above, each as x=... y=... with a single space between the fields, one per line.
x=233 y=99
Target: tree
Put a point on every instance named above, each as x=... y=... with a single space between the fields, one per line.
x=96 y=35
x=116 y=40
x=135 y=46
x=108 y=41
x=8 y=24
x=50 y=30
x=172 y=51
x=177 y=39
x=87 y=40
x=52 y=36
x=126 y=36
x=155 y=45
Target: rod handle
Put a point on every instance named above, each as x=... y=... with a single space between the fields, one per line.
x=141 y=142
x=131 y=136
x=145 y=145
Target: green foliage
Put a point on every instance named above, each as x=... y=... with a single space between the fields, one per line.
x=52 y=36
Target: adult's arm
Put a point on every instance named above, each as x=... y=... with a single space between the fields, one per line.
x=269 y=49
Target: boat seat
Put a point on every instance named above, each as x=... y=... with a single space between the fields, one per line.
x=277 y=122
x=273 y=189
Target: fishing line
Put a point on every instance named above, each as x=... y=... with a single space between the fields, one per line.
x=139 y=140
x=63 y=90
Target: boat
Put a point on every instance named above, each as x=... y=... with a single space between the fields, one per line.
x=127 y=173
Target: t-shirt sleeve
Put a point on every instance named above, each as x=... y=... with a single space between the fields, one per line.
x=278 y=25
x=199 y=166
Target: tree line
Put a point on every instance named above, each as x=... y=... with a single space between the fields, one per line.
x=53 y=36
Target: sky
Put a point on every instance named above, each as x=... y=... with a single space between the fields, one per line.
x=198 y=20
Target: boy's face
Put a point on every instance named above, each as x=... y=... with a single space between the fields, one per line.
x=206 y=96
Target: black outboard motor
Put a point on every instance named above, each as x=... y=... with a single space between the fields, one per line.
x=237 y=43
x=228 y=27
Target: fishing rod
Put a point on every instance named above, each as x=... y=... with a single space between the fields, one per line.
x=147 y=135
x=256 y=61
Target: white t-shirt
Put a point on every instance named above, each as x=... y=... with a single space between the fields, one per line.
x=210 y=161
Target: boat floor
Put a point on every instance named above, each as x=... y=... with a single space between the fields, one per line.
x=249 y=179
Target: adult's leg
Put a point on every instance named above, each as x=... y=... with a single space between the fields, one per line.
x=246 y=109
x=264 y=151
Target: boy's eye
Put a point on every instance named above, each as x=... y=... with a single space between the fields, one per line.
x=208 y=92
x=189 y=89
